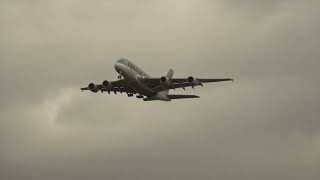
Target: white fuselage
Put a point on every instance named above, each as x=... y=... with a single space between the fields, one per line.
x=132 y=75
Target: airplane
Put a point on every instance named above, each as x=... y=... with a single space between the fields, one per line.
x=132 y=80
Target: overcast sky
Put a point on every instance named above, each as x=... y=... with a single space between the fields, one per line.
x=263 y=126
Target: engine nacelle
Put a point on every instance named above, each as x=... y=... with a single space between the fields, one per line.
x=107 y=86
x=193 y=81
x=93 y=87
x=165 y=80
x=106 y=83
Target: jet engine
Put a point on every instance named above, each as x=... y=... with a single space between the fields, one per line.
x=165 y=80
x=108 y=86
x=106 y=83
x=193 y=81
x=93 y=87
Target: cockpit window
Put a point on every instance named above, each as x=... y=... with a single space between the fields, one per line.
x=123 y=61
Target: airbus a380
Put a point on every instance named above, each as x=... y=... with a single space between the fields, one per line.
x=132 y=80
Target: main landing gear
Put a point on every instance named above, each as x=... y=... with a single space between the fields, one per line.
x=119 y=76
x=139 y=96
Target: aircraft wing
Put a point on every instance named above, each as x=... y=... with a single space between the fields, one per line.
x=174 y=83
x=113 y=86
x=97 y=86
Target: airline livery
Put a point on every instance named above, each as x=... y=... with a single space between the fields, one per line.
x=132 y=80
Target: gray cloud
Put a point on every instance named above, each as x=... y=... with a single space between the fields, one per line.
x=263 y=126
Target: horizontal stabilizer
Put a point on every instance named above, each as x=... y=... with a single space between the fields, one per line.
x=181 y=96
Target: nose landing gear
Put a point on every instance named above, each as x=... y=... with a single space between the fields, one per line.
x=120 y=76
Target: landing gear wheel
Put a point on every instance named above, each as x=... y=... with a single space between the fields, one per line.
x=139 y=96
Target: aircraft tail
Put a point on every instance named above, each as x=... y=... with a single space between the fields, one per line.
x=169 y=76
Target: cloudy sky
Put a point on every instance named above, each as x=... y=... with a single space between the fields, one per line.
x=263 y=126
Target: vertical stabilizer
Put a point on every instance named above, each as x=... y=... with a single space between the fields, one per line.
x=170 y=74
